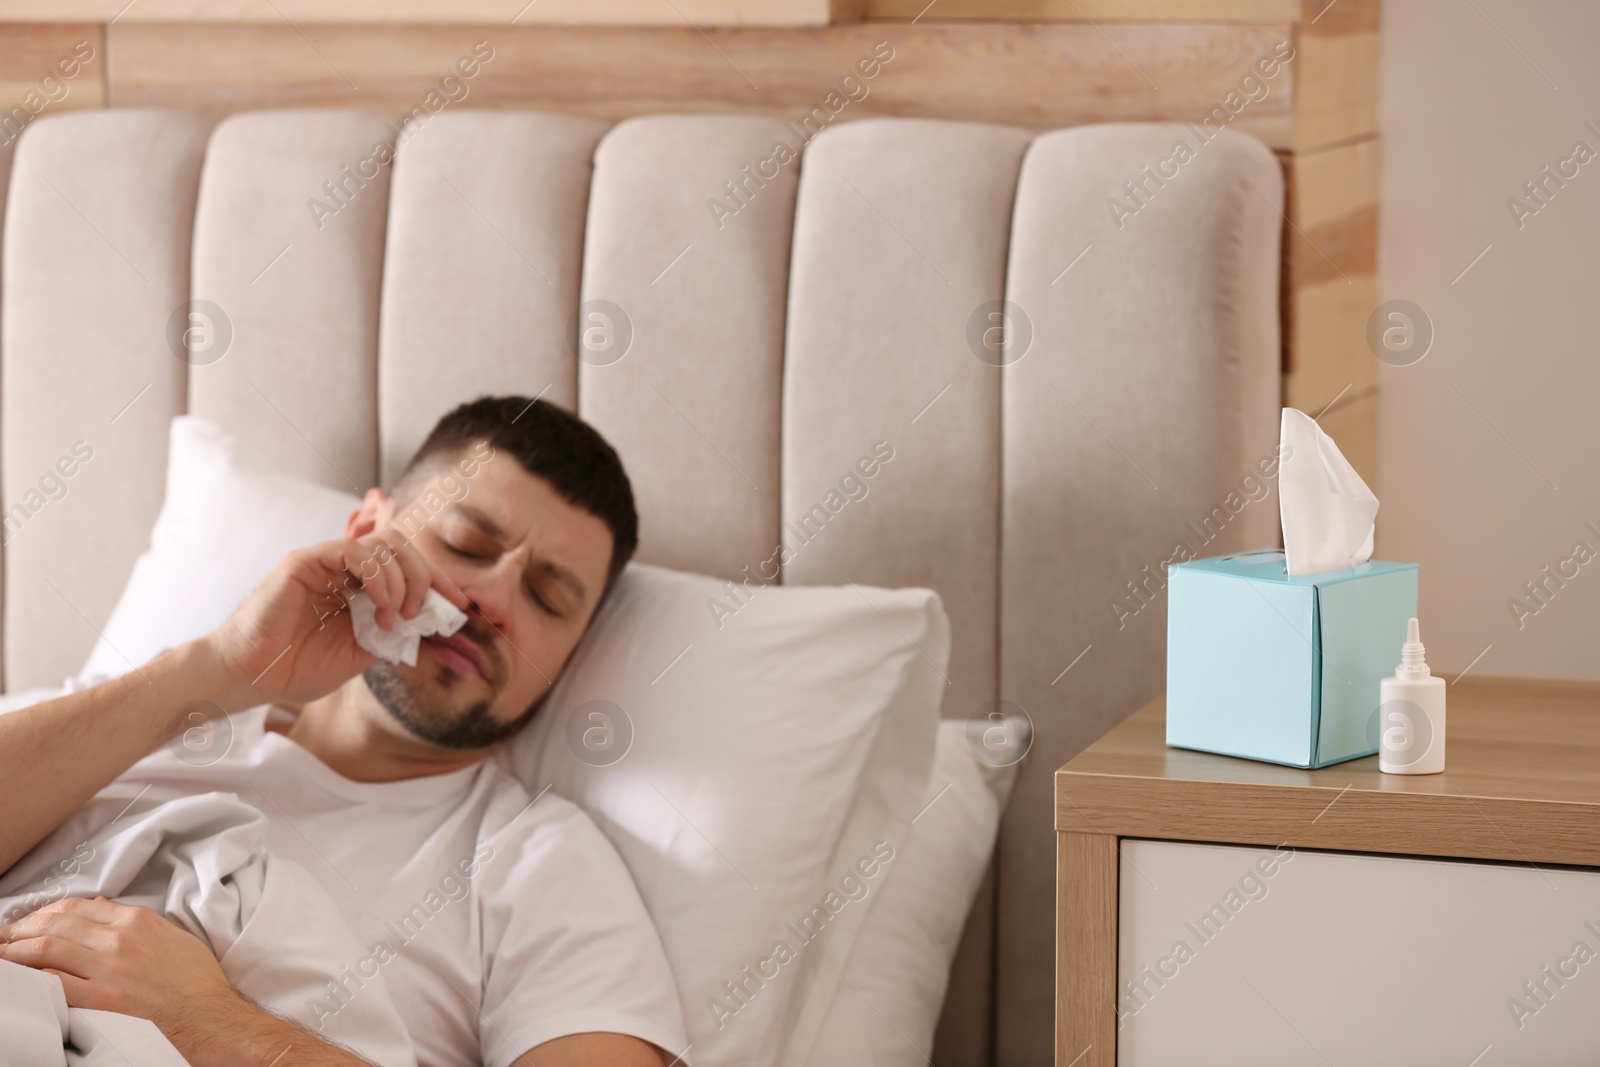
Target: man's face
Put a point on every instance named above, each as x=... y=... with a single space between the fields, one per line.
x=533 y=567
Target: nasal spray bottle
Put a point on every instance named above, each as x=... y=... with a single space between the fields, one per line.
x=1411 y=714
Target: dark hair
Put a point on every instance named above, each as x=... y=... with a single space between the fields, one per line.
x=552 y=444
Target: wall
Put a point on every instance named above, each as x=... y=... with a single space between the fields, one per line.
x=1487 y=445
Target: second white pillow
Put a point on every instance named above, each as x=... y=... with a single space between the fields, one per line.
x=224 y=525
x=757 y=770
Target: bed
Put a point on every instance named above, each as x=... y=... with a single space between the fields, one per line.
x=1070 y=390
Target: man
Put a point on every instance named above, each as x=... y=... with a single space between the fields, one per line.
x=506 y=928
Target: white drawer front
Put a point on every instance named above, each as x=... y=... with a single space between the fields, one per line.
x=1237 y=956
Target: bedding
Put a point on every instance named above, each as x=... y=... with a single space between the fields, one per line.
x=202 y=861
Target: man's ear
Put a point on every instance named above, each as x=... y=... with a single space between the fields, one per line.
x=374 y=511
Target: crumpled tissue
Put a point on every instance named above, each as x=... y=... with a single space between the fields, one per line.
x=399 y=643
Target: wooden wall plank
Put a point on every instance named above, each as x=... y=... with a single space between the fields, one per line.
x=48 y=67
x=1330 y=288
x=1328 y=342
x=651 y=12
x=487 y=12
x=1336 y=183
x=1330 y=260
x=1336 y=76
x=1339 y=18
x=1339 y=88
x=1087 y=10
x=1038 y=76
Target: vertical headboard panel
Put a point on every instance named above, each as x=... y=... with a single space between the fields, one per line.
x=8 y=152
x=693 y=403
x=288 y=243
x=900 y=243
x=97 y=266
x=1150 y=394
x=481 y=268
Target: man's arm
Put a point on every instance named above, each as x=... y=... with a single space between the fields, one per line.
x=290 y=642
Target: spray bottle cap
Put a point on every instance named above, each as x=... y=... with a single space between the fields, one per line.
x=1412 y=665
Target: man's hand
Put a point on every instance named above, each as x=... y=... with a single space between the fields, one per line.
x=292 y=640
x=126 y=959
x=121 y=958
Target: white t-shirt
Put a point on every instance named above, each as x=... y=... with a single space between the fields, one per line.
x=498 y=921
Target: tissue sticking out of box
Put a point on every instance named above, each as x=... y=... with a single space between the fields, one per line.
x=399 y=643
x=1327 y=510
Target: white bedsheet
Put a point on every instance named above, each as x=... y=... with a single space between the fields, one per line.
x=202 y=862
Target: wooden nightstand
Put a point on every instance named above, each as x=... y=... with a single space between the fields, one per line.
x=1522 y=788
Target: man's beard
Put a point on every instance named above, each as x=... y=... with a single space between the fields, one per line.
x=430 y=717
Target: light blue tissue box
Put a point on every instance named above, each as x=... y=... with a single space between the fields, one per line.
x=1269 y=667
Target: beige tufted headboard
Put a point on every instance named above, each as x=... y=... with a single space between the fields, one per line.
x=839 y=302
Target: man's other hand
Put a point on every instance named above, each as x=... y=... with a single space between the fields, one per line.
x=117 y=957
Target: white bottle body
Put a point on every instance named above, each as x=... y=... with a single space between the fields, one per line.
x=1411 y=725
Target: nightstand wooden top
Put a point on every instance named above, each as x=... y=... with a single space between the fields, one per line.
x=1521 y=784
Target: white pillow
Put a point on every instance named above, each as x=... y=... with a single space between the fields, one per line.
x=224 y=525
x=759 y=771
x=887 y=1008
